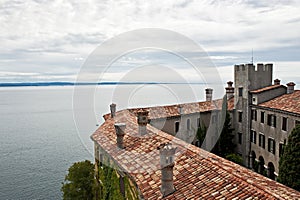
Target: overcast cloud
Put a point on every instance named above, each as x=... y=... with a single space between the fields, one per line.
x=45 y=40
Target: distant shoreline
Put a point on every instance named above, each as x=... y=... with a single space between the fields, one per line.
x=73 y=84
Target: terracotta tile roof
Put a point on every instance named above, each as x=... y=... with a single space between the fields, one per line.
x=197 y=173
x=266 y=89
x=188 y=108
x=286 y=102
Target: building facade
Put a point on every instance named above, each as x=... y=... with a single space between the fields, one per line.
x=138 y=142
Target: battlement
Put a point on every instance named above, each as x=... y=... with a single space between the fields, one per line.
x=253 y=77
x=258 y=68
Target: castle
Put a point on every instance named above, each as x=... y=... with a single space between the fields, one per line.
x=152 y=146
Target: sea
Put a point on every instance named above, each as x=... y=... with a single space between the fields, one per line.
x=45 y=129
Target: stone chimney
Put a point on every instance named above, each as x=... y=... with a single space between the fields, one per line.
x=113 y=110
x=290 y=88
x=180 y=109
x=277 y=82
x=167 y=152
x=120 y=132
x=208 y=92
x=142 y=120
x=229 y=90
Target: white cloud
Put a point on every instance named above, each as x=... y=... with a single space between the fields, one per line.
x=52 y=35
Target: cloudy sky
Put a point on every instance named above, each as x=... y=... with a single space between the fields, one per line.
x=49 y=40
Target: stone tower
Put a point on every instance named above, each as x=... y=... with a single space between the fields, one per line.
x=246 y=78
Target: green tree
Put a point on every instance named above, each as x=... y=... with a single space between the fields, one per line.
x=110 y=187
x=225 y=145
x=79 y=182
x=235 y=158
x=289 y=163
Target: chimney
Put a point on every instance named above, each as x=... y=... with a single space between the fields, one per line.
x=290 y=88
x=113 y=110
x=208 y=92
x=167 y=152
x=229 y=90
x=142 y=120
x=120 y=132
x=277 y=82
x=180 y=109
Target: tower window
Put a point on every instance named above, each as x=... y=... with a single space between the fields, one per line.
x=240 y=92
x=240 y=137
x=240 y=116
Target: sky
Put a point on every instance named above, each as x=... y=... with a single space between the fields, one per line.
x=50 y=40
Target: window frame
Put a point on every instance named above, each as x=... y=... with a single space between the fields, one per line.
x=176 y=127
x=240 y=138
x=262 y=117
x=262 y=140
x=240 y=116
x=284 y=126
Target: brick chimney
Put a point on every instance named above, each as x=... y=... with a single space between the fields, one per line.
x=113 y=110
x=290 y=88
x=277 y=82
x=142 y=120
x=167 y=152
x=229 y=90
x=208 y=93
x=120 y=132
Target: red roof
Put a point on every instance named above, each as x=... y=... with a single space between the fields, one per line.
x=187 y=108
x=266 y=89
x=286 y=102
x=197 y=173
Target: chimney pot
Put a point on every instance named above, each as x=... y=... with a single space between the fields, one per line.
x=142 y=120
x=120 y=132
x=290 y=88
x=167 y=153
x=113 y=110
x=180 y=109
x=208 y=92
x=277 y=82
x=229 y=90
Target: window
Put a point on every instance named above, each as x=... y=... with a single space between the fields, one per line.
x=284 y=123
x=261 y=142
x=240 y=138
x=176 y=127
x=254 y=115
x=281 y=149
x=188 y=124
x=240 y=92
x=271 y=120
x=271 y=145
x=240 y=116
x=253 y=136
x=262 y=117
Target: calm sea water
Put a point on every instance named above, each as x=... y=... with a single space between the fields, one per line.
x=39 y=139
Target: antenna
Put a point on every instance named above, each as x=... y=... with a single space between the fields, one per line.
x=252 y=57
